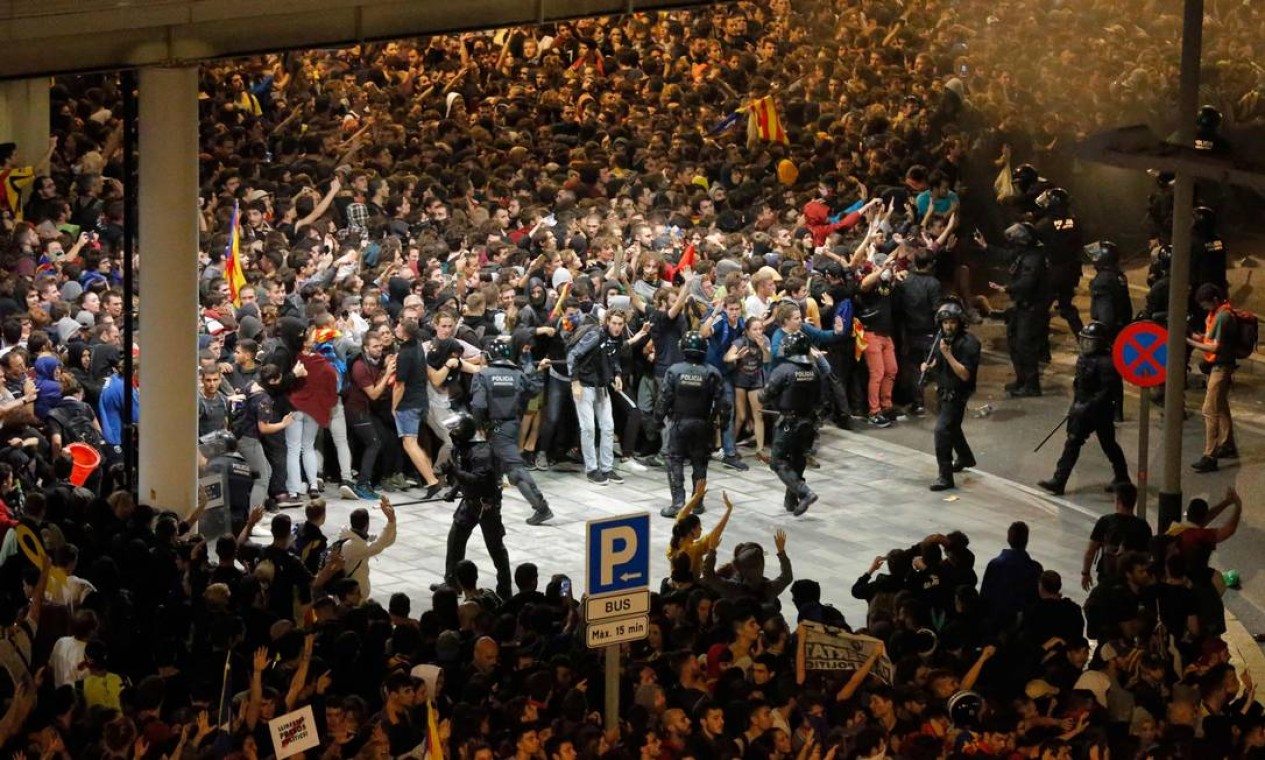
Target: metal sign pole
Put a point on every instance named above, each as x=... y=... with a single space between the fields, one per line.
x=1144 y=448
x=612 y=687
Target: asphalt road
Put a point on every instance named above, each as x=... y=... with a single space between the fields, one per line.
x=1003 y=441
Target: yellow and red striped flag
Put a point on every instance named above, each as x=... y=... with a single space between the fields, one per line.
x=763 y=122
x=434 y=746
x=233 y=271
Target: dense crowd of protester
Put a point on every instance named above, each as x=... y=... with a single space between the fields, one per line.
x=575 y=191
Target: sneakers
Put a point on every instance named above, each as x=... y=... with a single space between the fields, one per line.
x=346 y=491
x=917 y=410
x=805 y=501
x=529 y=460
x=734 y=462
x=596 y=478
x=891 y=413
x=879 y=421
x=942 y=484
x=651 y=461
x=320 y=486
x=613 y=477
x=364 y=491
x=542 y=461
x=1053 y=485
x=633 y=465
x=289 y=500
x=539 y=517
x=672 y=511
x=1205 y=464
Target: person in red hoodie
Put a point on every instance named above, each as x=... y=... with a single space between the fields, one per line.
x=312 y=396
x=817 y=212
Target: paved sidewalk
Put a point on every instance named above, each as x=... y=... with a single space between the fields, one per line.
x=873 y=497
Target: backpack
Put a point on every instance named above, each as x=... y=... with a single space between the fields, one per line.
x=77 y=428
x=1247 y=332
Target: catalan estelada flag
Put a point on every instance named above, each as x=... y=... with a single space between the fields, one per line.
x=763 y=122
x=232 y=260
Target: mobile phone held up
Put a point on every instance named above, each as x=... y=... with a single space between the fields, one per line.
x=564 y=588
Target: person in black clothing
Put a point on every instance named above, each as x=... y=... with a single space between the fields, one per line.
x=478 y=479
x=917 y=299
x=1109 y=302
x=498 y=399
x=956 y=365
x=796 y=388
x=1113 y=534
x=1207 y=258
x=1097 y=387
x=841 y=285
x=1061 y=237
x=692 y=394
x=1029 y=317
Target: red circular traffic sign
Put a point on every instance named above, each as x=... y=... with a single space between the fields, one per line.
x=1141 y=354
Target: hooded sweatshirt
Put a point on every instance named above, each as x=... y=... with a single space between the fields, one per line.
x=316 y=394
x=817 y=220
x=47 y=384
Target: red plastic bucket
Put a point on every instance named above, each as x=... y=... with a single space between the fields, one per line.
x=86 y=460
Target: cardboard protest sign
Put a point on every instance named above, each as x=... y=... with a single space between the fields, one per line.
x=293 y=733
x=828 y=648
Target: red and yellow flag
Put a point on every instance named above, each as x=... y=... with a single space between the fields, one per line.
x=763 y=122
x=233 y=271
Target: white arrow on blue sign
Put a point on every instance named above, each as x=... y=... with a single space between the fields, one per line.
x=618 y=553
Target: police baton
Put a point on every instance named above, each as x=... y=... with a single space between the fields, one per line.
x=1052 y=432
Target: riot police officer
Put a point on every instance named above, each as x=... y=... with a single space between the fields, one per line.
x=1061 y=237
x=1109 y=301
x=955 y=362
x=1158 y=280
x=1207 y=257
x=1097 y=388
x=1028 y=319
x=499 y=396
x=478 y=480
x=795 y=389
x=693 y=396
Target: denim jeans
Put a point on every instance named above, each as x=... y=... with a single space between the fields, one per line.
x=595 y=404
x=301 y=452
x=253 y=451
x=727 y=429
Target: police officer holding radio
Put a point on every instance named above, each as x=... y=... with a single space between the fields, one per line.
x=1028 y=321
x=499 y=396
x=693 y=396
x=955 y=363
x=477 y=478
x=796 y=389
x=1097 y=390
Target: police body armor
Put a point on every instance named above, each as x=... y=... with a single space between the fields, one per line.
x=1109 y=299
x=502 y=381
x=802 y=395
x=694 y=391
x=1095 y=376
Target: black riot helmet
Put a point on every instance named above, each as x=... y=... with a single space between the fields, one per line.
x=1021 y=235
x=1054 y=200
x=1208 y=120
x=500 y=350
x=951 y=310
x=461 y=428
x=1165 y=180
x=1204 y=220
x=1103 y=255
x=694 y=346
x=1094 y=338
x=1025 y=176
x=1161 y=264
x=965 y=709
x=795 y=347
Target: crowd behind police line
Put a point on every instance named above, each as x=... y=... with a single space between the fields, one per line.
x=380 y=187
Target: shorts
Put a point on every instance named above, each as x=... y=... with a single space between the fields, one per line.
x=408 y=422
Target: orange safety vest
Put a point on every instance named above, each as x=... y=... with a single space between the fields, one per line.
x=1209 y=322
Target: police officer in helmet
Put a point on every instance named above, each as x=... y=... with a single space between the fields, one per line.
x=473 y=468
x=1109 y=300
x=499 y=396
x=1097 y=389
x=1028 y=319
x=693 y=397
x=796 y=389
x=1060 y=236
x=955 y=365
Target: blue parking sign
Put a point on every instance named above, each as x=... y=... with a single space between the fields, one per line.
x=618 y=552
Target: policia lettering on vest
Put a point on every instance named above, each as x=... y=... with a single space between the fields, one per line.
x=693 y=397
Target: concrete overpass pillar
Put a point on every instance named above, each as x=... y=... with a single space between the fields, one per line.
x=167 y=143
x=24 y=117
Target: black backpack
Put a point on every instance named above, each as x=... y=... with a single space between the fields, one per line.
x=76 y=426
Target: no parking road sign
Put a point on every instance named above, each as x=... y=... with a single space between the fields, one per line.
x=1141 y=354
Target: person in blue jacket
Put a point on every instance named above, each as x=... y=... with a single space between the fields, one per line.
x=110 y=409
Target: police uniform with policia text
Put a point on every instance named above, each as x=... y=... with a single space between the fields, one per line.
x=499 y=396
x=954 y=366
x=796 y=389
x=692 y=395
